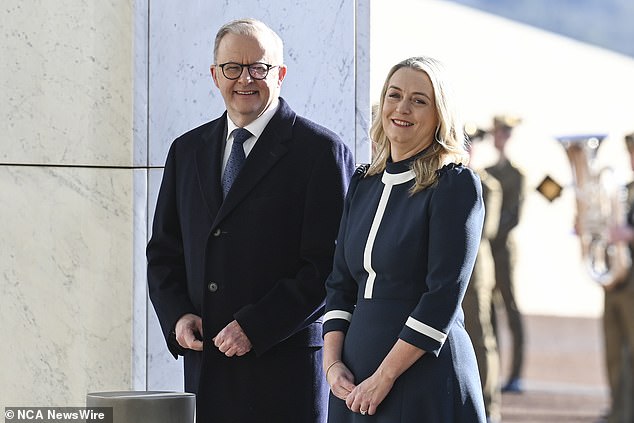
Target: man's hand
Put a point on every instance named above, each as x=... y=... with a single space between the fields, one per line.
x=189 y=332
x=232 y=340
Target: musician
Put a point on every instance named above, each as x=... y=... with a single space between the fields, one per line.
x=618 y=320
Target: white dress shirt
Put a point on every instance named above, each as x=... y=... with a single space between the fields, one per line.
x=256 y=128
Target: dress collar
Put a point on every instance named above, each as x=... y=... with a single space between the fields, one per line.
x=401 y=171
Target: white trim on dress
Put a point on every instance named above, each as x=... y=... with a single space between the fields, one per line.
x=426 y=330
x=389 y=180
x=338 y=314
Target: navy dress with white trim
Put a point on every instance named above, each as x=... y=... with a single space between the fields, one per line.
x=401 y=269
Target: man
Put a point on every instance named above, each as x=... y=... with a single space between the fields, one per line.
x=618 y=321
x=243 y=239
x=502 y=246
x=478 y=299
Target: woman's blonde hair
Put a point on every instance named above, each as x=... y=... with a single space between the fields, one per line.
x=449 y=144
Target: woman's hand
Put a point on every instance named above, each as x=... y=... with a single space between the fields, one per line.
x=340 y=379
x=367 y=396
x=338 y=376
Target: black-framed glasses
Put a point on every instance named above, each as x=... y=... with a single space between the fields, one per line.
x=232 y=70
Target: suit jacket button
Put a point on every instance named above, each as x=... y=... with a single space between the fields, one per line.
x=217 y=232
x=213 y=286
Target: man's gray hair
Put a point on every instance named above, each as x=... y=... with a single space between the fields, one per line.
x=253 y=27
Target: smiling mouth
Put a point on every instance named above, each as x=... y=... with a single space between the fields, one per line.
x=245 y=92
x=401 y=123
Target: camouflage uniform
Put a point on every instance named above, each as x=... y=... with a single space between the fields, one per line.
x=479 y=299
x=618 y=326
x=503 y=249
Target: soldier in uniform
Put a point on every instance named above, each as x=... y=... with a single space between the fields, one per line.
x=618 y=321
x=478 y=299
x=502 y=246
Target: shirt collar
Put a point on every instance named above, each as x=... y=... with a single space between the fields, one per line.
x=258 y=125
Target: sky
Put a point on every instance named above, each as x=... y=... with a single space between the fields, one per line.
x=605 y=23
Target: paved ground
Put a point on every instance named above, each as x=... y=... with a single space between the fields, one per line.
x=563 y=376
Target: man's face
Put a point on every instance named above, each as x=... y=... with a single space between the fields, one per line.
x=247 y=98
x=631 y=151
x=501 y=135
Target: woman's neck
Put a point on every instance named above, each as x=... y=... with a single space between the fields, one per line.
x=399 y=153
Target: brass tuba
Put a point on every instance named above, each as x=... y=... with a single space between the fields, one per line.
x=600 y=206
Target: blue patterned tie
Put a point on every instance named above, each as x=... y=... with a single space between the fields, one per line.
x=236 y=159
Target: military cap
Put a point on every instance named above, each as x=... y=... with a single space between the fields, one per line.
x=506 y=121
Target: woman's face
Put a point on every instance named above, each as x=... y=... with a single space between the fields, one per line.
x=409 y=111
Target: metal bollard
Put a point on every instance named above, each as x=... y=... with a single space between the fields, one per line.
x=146 y=406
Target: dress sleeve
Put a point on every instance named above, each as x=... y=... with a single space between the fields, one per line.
x=341 y=288
x=456 y=214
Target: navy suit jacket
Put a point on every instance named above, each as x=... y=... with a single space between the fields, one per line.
x=260 y=257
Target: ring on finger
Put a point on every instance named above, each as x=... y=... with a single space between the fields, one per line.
x=363 y=412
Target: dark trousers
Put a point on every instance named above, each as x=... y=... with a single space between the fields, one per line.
x=477 y=305
x=503 y=257
x=618 y=326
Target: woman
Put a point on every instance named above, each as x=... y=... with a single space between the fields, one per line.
x=395 y=347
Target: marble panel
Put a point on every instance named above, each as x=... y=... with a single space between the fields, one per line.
x=319 y=52
x=139 y=278
x=140 y=81
x=65 y=283
x=363 y=118
x=164 y=373
x=67 y=82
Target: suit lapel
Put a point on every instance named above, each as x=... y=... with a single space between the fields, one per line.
x=269 y=148
x=209 y=164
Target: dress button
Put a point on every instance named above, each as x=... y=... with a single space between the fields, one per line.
x=213 y=286
x=217 y=232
